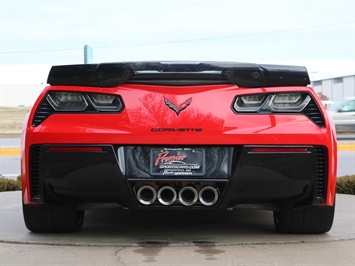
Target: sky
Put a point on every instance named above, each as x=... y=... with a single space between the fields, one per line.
x=36 y=34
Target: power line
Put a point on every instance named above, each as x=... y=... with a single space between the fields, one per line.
x=186 y=40
x=42 y=51
x=228 y=37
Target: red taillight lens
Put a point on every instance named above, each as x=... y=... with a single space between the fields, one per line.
x=279 y=150
x=74 y=149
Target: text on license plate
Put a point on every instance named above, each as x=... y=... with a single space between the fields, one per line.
x=177 y=161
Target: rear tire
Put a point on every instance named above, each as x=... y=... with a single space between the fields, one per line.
x=304 y=220
x=48 y=218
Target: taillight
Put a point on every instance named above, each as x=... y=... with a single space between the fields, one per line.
x=75 y=149
x=287 y=103
x=63 y=101
x=76 y=102
x=272 y=103
x=105 y=103
x=280 y=150
x=67 y=101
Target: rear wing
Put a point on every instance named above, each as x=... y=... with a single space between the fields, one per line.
x=179 y=74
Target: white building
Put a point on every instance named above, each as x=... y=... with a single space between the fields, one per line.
x=335 y=88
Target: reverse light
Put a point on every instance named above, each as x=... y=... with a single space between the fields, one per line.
x=105 y=102
x=253 y=99
x=289 y=102
x=67 y=101
x=286 y=98
x=102 y=98
x=249 y=103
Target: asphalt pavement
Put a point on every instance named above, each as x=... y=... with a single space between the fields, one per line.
x=118 y=237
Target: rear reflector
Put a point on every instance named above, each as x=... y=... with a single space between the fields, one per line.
x=73 y=149
x=279 y=150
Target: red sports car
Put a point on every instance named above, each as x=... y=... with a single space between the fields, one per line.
x=178 y=135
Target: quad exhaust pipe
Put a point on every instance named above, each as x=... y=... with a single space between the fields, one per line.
x=167 y=195
x=146 y=195
x=208 y=196
x=187 y=196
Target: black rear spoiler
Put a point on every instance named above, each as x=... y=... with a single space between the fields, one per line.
x=179 y=73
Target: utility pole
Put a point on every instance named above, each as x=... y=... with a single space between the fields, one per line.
x=88 y=54
x=313 y=72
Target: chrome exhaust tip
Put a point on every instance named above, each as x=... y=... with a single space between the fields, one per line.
x=167 y=195
x=208 y=196
x=188 y=196
x=146 y=195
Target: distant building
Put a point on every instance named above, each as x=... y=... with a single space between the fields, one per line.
x=335 y=88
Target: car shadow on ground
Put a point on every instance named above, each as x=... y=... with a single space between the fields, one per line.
x=117 y=227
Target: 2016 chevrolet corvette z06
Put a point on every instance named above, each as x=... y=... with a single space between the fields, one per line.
x=178 y=135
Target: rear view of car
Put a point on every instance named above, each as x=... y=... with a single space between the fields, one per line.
x=178 y=135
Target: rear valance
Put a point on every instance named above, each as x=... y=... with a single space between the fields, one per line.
x=179 y=73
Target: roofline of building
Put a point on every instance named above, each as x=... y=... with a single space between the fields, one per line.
x=353 y=75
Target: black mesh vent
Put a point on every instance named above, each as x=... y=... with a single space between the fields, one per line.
x=36 y=188
x=43 y=111
x=313 y=112
x=322 y=173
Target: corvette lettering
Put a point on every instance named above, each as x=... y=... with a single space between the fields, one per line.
x=168 y=129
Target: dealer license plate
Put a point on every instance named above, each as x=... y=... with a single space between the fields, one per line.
x=177 y=162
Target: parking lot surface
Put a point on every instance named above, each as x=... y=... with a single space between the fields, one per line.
x=118 y=237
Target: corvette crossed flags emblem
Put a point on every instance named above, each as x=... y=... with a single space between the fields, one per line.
x=178 y=109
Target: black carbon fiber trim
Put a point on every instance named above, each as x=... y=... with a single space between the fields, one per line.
x=247 y=75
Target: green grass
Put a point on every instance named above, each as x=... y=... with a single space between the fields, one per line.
x=10 y=184
x=346 y=185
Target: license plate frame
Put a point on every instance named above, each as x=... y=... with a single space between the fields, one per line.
x=177 y=162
